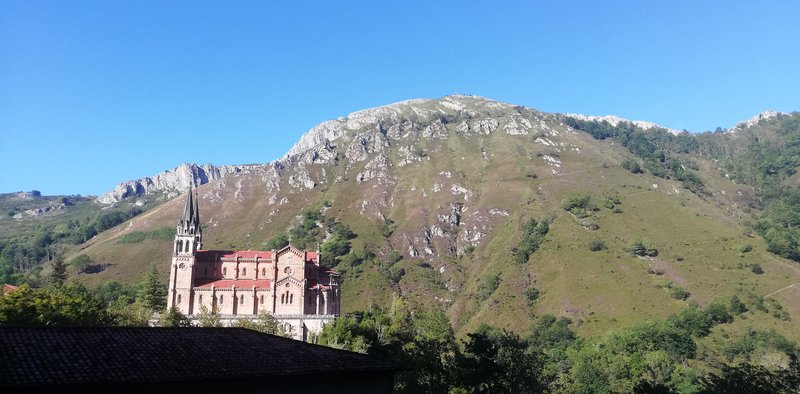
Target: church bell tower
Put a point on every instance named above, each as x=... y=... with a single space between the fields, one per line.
x=188 y=239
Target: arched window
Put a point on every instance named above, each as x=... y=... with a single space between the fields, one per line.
x=179 y=299
x=244 y=271
x=263 y=272
x=241 y=300
x=283 y=298
x=261 y=299
x=179 y=246
x=291 y=298
x=200 y=299
x=221 y=299
x=186 y=246
x=224 y=271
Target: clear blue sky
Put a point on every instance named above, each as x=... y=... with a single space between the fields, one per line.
x=93 y=93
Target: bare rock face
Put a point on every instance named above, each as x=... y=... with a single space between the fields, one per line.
x=302 y=180
x=485 y=126
x=377 y=168
x=615 y=120
x=764 y=115
x=436 y=130
x=518 y=126
x=40 y=211
x=175 y=181
x=365 y=144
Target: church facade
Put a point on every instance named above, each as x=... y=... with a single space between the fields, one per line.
x=288 y=283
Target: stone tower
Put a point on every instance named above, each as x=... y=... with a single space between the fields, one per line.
x=188 y=240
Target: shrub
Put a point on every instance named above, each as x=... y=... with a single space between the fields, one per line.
x=589 y=224
x=632 y=166
x=718 y=313
x=531 y=295
x=396 y=273
x=596 y=245
x=678 y=292
x=642 y=248
x=489 y=285
x=580 y=206
x=610 y=202
x=655 y=271
x=533 y=233
x=744 y=248
x=756 y=269
x=737 y=307
x=82 y=262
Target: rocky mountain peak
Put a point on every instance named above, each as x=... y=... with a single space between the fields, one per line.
x=615 y=120
x=763 y=115
x=171 y=182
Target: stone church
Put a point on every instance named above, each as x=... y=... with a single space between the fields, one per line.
x=288 y=283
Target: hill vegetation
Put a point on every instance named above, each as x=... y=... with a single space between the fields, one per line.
x=468 y=231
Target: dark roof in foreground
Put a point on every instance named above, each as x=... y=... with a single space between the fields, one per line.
x=35 y=356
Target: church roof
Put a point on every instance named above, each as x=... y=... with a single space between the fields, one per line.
x=213 y=255
x=7 y=288
x=238 y=283
x=49 y=356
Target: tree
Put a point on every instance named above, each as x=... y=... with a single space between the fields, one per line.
x=81 y=262
x=632 y=166
x=279 y=241
x=60 y=306
x=174 y=318
x=153 y=293
x=129 y=314
x=499 y=362
x=59 y=274
x=737 y=307
x=265 y=323
x=209 y=318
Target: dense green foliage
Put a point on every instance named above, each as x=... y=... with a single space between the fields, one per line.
x=652 y=356
x=58 y=275
x=279 y=241
x=81 y=262
x=659 y=149
x=580 y=206
x=642 y=247
x=135 y=237
x=764 y=156
x=781 y=226
x=71 y=305
x=24 y=250
x=153 y=293
x=533 y=234
x=267 y=324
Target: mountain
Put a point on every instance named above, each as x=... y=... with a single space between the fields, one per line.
x=452 y=184
x=170 y=183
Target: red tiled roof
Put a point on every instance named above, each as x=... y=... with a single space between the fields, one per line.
x=213 y=255
x=210 y=255
x=7 y=288
x=238 y=283
x=312 y=284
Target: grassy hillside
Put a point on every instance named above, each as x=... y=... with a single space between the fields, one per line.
x=412 y=180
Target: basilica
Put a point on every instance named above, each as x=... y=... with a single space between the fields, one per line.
x=288 y=283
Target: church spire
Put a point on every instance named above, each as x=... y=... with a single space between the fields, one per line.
x=190 y=220
x=189 y=236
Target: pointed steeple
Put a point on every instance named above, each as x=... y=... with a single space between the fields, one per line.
x=189 y=236
x=188 y=217
x=196 y=212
